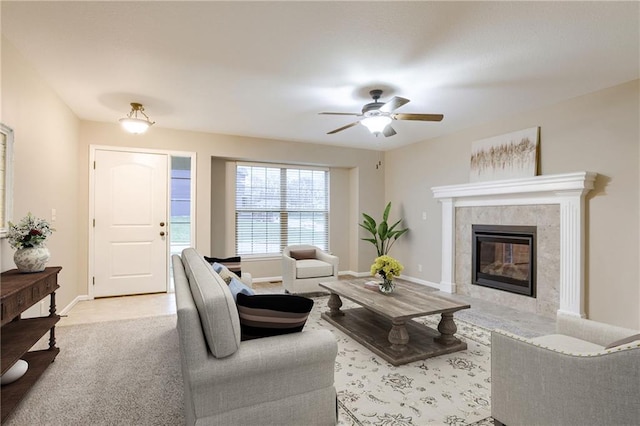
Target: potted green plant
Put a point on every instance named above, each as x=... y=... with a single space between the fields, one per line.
x=383 y=235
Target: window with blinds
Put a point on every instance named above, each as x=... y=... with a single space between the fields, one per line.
x=277 y=206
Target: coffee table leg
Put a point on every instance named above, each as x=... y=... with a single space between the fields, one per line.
x=447 y=329
x=334 y=304
x=398 y=336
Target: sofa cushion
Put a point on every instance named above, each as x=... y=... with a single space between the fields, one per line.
x=302 y=254
x=623 y=341
x=232 y=263
x=215 y=304
x=236 y=287
x=563 y=343
x=265 y=315
x=313 y=268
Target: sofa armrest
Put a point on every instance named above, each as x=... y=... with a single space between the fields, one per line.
x=288 y=269
x=280 y=366
x=531 y=384
x=329 y=258
x=591 y=331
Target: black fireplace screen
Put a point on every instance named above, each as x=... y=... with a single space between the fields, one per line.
x=503 y=258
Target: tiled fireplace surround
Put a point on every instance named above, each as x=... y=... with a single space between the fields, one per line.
x=552 y=203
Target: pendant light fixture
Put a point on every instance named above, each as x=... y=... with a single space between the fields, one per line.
x=135 y=124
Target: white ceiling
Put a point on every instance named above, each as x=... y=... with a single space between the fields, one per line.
x=265 y=69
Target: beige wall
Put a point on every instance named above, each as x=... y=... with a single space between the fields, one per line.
x=46 y=172
x=218 y=209
x=211 y=151
x=52 y=171
x=598 y=132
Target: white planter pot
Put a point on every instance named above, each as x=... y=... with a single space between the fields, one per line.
x=31 y=259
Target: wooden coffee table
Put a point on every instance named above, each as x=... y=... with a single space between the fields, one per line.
x=384 y=323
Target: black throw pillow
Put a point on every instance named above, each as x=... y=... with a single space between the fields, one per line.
x=232 y=263
x=263 y=315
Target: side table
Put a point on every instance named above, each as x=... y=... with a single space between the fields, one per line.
x=18 y=293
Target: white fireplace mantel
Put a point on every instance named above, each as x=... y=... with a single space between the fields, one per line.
x=567 y=190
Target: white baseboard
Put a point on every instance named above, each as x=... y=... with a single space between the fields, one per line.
x=355 y=274
x=270 y=279
x=422 y=282
x=67 y=308
x=266 y=279
x=571 y=313
x=404 y=277
x=367 y=274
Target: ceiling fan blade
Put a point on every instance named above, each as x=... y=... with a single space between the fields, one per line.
x=388 y=131
x=393 y=104
x=419 y=117
x=342 y=128
x=339 y=113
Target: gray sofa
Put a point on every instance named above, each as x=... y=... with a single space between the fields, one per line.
x=279 y=380
x=569 y=378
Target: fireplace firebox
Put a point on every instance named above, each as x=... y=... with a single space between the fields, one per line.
x=503 y=257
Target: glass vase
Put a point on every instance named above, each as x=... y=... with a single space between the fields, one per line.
x=386 y=286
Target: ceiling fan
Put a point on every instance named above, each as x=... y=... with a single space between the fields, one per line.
x=377 y=116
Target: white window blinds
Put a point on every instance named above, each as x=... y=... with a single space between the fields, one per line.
x=277 y=206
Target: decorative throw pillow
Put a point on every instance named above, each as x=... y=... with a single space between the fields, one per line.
x=237 y=287
x=265 y=315
x=303 y=254
x=224 y=273
x=623 y=341
x=233 y=263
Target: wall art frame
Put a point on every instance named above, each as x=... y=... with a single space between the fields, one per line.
x=509 y=156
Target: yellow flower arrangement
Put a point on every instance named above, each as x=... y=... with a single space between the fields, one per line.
x=387 y=267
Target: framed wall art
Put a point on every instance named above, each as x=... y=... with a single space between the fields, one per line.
x=510 y=156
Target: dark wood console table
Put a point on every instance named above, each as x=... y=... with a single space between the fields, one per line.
x=18 y=293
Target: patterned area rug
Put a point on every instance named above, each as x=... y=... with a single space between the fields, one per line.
x=452 y=389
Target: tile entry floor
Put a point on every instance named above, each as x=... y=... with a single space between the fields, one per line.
x=482 y=313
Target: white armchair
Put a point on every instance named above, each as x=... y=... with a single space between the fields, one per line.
x=305 y=266
x=586 y=374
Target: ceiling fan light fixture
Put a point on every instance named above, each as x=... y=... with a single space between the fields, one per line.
x=135 y=124
x=377 y=116
x=377 y=123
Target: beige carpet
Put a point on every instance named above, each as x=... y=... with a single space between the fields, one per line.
x=128 y=373
x=111 y=373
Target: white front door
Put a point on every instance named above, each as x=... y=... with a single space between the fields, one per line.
x=130 y=230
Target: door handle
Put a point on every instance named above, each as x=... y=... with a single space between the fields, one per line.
x=161 y=223
x=162 y=233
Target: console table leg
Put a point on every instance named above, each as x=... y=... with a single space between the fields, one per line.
x=52 y=304
x=52 y=312
x=447 y=328
x=334 y=303
x=398 y=336
x=52 y=338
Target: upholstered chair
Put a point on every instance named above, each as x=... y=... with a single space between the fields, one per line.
x=305 y=266
x=586 y=374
